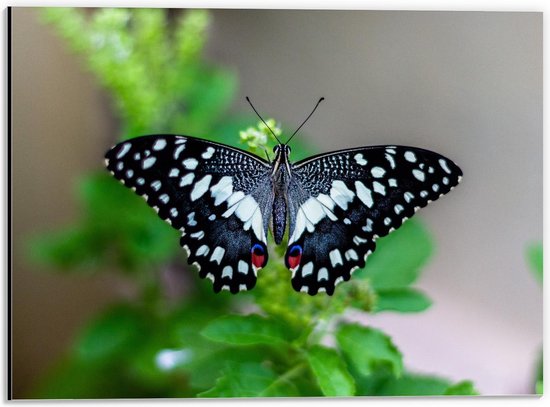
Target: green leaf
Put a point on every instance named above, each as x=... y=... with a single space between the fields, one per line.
x=117 y=331
x=413 y=385
x=539 y=383
x=251 y=380
x=401 y=300
x=205 y=370
x=330 y=371
x=124 y=226
x=65 y=249
x=398 y=258
x=463 y=388
x=247 y=330
x=535 y=257
x=368 y=349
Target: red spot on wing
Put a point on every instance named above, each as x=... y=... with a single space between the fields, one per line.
x=294 y=261
x=258 y=260
x=258 y=254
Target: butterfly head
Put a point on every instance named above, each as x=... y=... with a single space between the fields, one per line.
x=283 y=149
x=282 y=152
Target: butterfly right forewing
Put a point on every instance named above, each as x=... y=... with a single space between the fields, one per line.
x=213 y=194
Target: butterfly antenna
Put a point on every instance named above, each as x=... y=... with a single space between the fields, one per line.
x=307 y=118
x=267 y=155
x=258 y=114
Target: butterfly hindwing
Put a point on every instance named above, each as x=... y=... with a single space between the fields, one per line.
x=341 y=202
x=213 y=194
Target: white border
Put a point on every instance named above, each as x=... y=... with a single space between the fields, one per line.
x=446 y=5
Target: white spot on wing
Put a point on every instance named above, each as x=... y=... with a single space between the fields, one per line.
x=174 y=172
x=243 y=267
x=307 y=269
x=408 y=196
x=368 y=226
x=377 y=172
x=323 y=274
x=201 y=187
x=203 y=250
x=335 y=258
x=378 y=187
x=222 y=190
x=191 y=219
x=246 y=208
x=398 y=209
x=190 y=163
x=419 y=175
x=148 y=162
x=187 y=180
x=390 y=159
x=326 y=201
x=227 y=272
x=313 y=211
x=123 y=150
x=156 y=185
x=217 y=254
x=410 y=156
x=444 y=165
x=197 y=235
x=351 y=255
x=159 y=144
x=208 y=153
x=364 y=194
x=359 y=159
x=178 y=151
x=341 y=194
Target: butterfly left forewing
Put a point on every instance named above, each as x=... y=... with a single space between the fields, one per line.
x=341 y=202
x=212 y=193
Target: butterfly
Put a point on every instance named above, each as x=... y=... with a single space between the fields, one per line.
x=223 y=200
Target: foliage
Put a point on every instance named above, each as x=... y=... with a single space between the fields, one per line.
x=535 y=260
x=205 y=344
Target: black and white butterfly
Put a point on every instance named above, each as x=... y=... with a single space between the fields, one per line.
x=223 y=200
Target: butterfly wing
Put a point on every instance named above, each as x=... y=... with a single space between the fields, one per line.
x=341 y=202
x=214 y=194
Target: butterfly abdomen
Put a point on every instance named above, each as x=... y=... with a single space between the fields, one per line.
x=279 y=218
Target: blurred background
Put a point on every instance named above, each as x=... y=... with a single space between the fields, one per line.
x=465 y=84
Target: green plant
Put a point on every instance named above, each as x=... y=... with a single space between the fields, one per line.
x=205 y=344
x=535 y=260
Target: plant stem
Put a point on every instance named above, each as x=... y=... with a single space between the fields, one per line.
x=286 y=376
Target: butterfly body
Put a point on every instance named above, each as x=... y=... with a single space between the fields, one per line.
x=335 y=205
